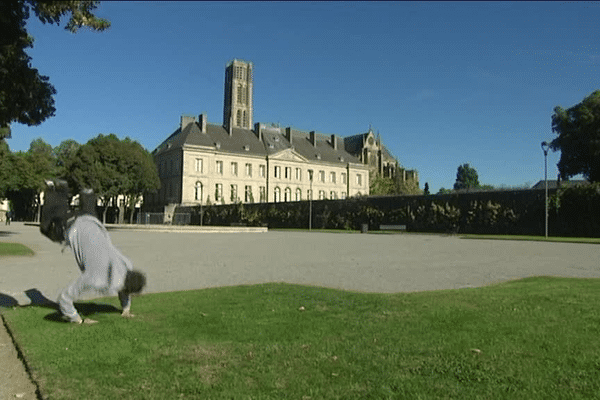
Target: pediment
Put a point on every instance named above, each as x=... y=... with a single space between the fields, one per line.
x=288 y=155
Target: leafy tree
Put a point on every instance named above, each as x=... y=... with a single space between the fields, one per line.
x=381 y=186
x=25 y=95
x=112 y=167
x=141 y=172
x=426 y=189
x=578 y=140
x=6 y=168
x=63 y=153
x=445 y=191
x=466 y=178
x=42 y=165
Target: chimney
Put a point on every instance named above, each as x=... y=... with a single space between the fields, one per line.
x=288 y=134
x=258 y=130
x=186 y=120
x=202 y=119
x=334 y=142
x=312 y=138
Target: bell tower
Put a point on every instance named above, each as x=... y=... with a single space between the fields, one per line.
x=238 y=107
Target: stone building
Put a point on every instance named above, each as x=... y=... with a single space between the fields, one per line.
x=368 y=149
x=238 y=161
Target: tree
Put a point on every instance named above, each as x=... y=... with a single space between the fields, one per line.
x=426 y=189
x=25 y=95
x=112 y=167
x=141 y=172
x=466 y=178
x=63 y=154
x=578 y=140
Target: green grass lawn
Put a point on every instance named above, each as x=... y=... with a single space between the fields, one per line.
x=532 y=338
x=14 y=249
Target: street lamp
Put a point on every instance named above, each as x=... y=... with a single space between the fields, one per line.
x=545 y=147
x=310 y=176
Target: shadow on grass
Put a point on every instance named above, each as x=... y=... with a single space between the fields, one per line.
x=85 y=310
x=39 y=300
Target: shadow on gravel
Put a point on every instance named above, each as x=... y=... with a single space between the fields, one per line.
x=8 y=301
x=7 y=233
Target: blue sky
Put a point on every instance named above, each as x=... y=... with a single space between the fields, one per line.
x=444 y=83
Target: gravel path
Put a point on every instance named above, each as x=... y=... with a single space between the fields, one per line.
x=368 y=263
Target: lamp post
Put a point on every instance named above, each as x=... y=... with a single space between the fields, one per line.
x=545 y=147
x=310 y=176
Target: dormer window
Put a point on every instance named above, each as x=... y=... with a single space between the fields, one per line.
x=218 y=145
x=247 y=148
x=319 y=156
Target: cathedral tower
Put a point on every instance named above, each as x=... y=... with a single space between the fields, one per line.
x=238 y=107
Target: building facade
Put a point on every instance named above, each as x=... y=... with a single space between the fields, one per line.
x=238 y=161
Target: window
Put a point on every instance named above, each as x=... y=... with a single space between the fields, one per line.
x=332 y=177
x=199 y=166
x=298 y=194
x=262 y=192
x=310 y=175
x=198 y=191
x=321 y=176
x=332 y=195
x=309 y=194
x=343 y=196
x=248 y=169
x=287 y=194
x=277 y=194
x=238 y=118
x=344 y=178
x=220 y=167
x=234 y=169
x=245 y=120
x=248 y=198
x=218 y=192
x=240 y=95
x=288 y=173
x=298 y=174
x=261 y=170
x=234 y=197
x=321 y=195
x=359 y=179
x=277 y=172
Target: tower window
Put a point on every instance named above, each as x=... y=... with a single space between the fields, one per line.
x=238 y=118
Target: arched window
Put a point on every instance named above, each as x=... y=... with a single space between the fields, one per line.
x=277 y=197
x=298 y=194
x=198 y=191
x=245 y=120
x=288 y=194
x=238 y=118
x=240 y=94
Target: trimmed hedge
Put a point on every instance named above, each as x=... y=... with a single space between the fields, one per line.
x=574 y=211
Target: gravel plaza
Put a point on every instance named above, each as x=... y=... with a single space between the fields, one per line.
x=194 y=259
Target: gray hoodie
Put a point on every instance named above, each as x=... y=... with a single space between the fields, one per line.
x=103 y=267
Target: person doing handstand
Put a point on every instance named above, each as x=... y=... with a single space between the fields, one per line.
x=103 y=267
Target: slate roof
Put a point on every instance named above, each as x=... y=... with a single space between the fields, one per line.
x=245 y=141
x=553 y=184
